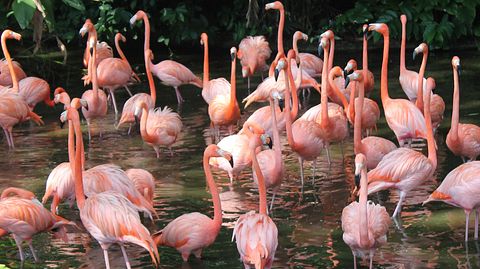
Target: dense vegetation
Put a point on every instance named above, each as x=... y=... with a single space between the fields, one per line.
x=441 y=23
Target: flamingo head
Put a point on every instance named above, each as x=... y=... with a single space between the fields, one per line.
x=87 y=26
x=233 y=53
x=138 y=16
x=203 y=39
x=225 y=154
x=245 y=71
x=350 y=67
x=380 y=28
x=360 y=165
x=403 y=18
x=322 y=45
x=63 y=118
x=328 y=34
x=422 y=48
x=266 y=140
x=274 y=5
x=355 y=76
x=456 y=64
x=9 y=34
x=299 y=35
x=139 y=106
x=281 y=65
x=119 y=36
x=59 y=230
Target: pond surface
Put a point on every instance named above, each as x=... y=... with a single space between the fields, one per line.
x=310 y=234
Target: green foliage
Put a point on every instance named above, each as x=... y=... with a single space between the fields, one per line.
x=23 y=11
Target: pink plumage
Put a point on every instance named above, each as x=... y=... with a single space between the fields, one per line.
x=5 y=77
x=253 y=52
x=35 y=90
x=144 y=182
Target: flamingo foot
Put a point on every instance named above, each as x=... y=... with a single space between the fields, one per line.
x=125 y=257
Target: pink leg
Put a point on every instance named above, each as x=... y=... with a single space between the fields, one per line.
x=18 y=241
x=157 y=150
x=179 y=96
x=105 y=255
x=398 y=209
x=476 y=223
x=125 y=257
x=198 y=253
x=7 y=137
x=354 y=260
x=185 y=256
x=300 y=161
x=467 y=219
x=35 y=257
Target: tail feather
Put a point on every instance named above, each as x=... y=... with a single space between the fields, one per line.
x=197 y=82
x=157 y=238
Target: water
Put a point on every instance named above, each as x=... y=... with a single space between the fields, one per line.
x=310 y=234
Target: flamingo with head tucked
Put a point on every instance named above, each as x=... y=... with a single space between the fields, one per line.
x=253 y=52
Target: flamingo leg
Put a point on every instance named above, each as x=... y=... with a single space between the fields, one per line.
x=230 y=175
x=327 y=147
x=248 y=83
x=7 y=137
x=157 y=150
x=125 y=257
x=398 y=209
x=467 y=219
x=273 y=199
x=35 y=257
x=300 y=161
x=54 y=205
x=10 y=135
x=128 y=90
x=371 y=259
x=354 y=260
x=114 y=103
x=463 y=159
x=476 y=223
x=179 y=95
x=314 y=168
x=198 y=253
x=18 y=241
x=129 y=128
x=89 y=126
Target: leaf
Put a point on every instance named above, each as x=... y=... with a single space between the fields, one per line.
x=76 y=4
x=49 y=19
x=429 y=32
x=23 y=11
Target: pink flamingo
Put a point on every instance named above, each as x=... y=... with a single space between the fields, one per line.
x=403 y=117
x=192 y=232
x=405 y=169
x=256 y=233
x=462 y=139
x=311 y=64
x=96 y=99
x=373 y=147
x=108 y=216
x=223 y=109
x=211 y=87
x=277 y=5
x=5 y=77
x=171 y=73
x=104 y=51
x=364 y=224
x=460 y=189
x=149 y=99
x=24 y=216
x=158 y=127
x=144 y=182
x=13 y=108
x=253 y=53
x=113 y=73
x=61 y=96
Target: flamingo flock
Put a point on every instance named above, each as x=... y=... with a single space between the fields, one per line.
x=109 y=200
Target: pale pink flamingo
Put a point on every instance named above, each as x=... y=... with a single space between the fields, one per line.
x=256 y=233
x=24 y=216
x=104 y=51
x=192 y=232
x=61 y=96
x=312 y=65
x=113 y=73
x=463 y=139
x=253 y=53
x=96 y=99
x=144 y=182
x=304 y=136
x=460 y=188
x=373 y=147
x=405 y=169
x=211 y=87
x=171 y=73
x=108 y=216
x=364 y=224
x=277 y=5
x=5 y=77
x=223 y=109
x=437 y=105
x=149 y=99
x=158 y=127
x=403 y=117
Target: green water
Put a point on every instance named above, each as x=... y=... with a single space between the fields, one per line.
x=310 y=234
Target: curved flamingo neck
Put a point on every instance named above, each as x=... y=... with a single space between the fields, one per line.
x=432 y=151
x=357 y=126
x=403 y=45
x=365 y=55
x=363 y=218
x=294 y=96
x=233 y=84
x=288 y=114
x=143 y=123
x=421 y=73
x=119 y=49
x=351 y=103
x=277 y=147
x=206 y=69
x=295 y=44
x=456 y=107
x=323 y=95
x=77 y=165
x=337 y=91
x=281 y=25
x=93 y=64
x=151 y=82
x=262 y=192
x=146 y=22
x=384 y=74
x=217 y=206
x=10 y=64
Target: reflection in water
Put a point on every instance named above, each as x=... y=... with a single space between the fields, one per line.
x=310 y=235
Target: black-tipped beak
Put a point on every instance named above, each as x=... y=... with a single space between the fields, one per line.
x=137 y=121
x=231 y=161
x=346 y=73
x=357 y=180
x=320 y=50
x=270 y=143
x=413 y=55
x=365 y=33
x=281 y=104
x=86 y=106
x=91 y=50
x=62 y=123
x=232 y=56
x=347 y=81
x=276 y=73
x=459 y=69
x=369 y=35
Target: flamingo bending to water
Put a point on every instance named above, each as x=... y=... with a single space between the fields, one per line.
x=144 y=182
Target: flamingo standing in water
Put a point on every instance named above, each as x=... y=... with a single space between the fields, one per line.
x=113 y=73
x=253 y=52
x=460 y=188
x=256 y=233
x=364 y=224
x=277 y=5
x=312 y=65
x=24 y=216
x=223 y=109
x=373 y=147
x=158 y=127
x=171 y=73
x=104 y=51
x=13 y=108
x=5 y=77
x=403 y=117
x=108 y=216
x=96 y=99
x=463 y=139
x=405 y=169
x=192 y=232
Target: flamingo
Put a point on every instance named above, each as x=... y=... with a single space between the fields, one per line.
x=24 y=216
x=13 y=108
x=253 y=52
x=97 y=100
x=462 y=139
x=405 y=169
x=364 y=224
x=144 y=182
x=460 y=189
x=373 y=147
x=193 y=232
x=61 y=96
x=311 y=64
x=113 y=73
x=158 y=127
x=108 y=216
x=171 y=73
x=403 y=117
x=103 y=51
x=149 y=99
x=277 y=5
x=223 y=109
x=256 y=233
x=5 y=77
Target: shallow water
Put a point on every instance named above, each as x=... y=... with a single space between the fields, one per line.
x=310 y=234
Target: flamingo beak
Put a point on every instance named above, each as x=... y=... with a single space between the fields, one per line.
x=137 y=120
x=357 y=181
x=459 y=69
x=83 y=31
x=276 y=73
x=133 y=20
x=281 y=104
x=414 y=54
x=320 y=50
x=84 y=104
x=345 y=73
x=231 y=161
x=232 y=56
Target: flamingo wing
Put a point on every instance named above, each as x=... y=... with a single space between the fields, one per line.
x=215 y=87
x=174 y=74
x=405 y=119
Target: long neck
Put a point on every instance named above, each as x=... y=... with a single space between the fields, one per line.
x=456 y=107
x=295 y=45
x=402 y=46
x=421 y=73
x=293 y=90
x=94 y=66
x=119 y=49
x=151 y=82
x=432 y=151
x=337 y=91
x=351 y=103
x=277 y=147
x=384 y=75
x=357 y=126
x=281 y=24
x=363 y=227
x=146 y=22
x=217 y=206
x=77 y=167
x=206 y=69
x=143 y=124
x=331 y=54
x=365 y=54
x=10 y=64
x=233 y=84
x=262 y=192
x=323 y=95
x=288 y=114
